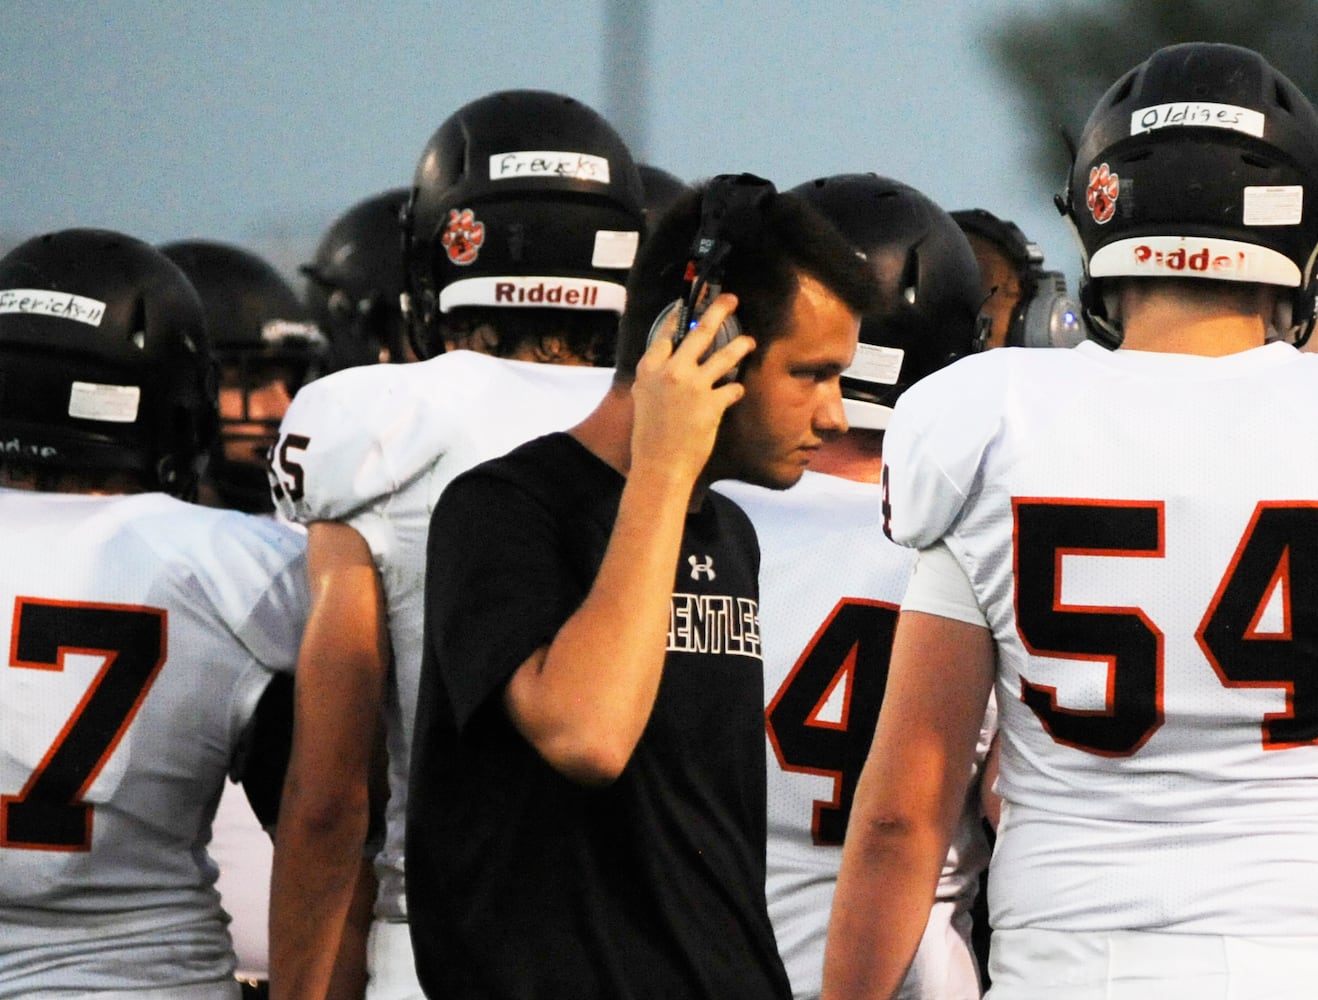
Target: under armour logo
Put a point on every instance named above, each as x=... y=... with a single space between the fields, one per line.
x=698 y=567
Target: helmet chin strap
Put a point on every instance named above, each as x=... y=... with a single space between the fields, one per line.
x=1100 y=306
x=1283 y=326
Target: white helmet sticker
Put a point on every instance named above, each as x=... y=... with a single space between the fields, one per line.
x=58 y=305
x=615 y=248
x=875 y=363
x=1274 y=205
x=1199 y=114
x=111 y=404
x=547 y=164
x=867 y=416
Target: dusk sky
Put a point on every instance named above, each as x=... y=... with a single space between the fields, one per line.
x=257 y=123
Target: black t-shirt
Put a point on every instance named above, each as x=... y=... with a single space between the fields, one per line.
x=521 y=883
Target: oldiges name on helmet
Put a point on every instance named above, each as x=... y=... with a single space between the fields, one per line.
x=549 y=163
x=1201 y=114
x=58 y=305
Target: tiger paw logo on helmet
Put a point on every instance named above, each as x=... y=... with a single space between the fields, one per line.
x=1101 y=195
x=463 y=236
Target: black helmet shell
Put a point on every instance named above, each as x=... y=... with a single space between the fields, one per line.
x=927 y=312
x=522 y=198
x=355 y=279
x=105 y=362
x=1201 y=162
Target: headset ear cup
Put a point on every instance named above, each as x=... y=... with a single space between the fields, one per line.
x=1048 y=317
x=665 y=314
x=728 y=331
x=1067 y=328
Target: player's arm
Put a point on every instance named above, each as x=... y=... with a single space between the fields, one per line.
x=910 y=795
x=990 y=802
x=348 y=981
x=584 y=699
x=324 y=812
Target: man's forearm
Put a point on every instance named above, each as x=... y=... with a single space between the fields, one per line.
x=314 y=876
x=908 y=800
x=885 y=889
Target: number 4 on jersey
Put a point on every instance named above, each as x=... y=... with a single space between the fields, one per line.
x=822 y=718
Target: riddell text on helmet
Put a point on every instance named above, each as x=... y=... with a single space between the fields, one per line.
x=511 y=293
x=15 y=446
x=1199 y=261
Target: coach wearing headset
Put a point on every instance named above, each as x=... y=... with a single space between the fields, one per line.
x=588 y=781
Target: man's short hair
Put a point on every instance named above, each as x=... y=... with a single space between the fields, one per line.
x=588 y=334
x=774 y=244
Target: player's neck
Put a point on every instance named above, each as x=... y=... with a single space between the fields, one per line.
x=856 y=455
x=606 y=433
x=1185 y=324
x=1209 y=337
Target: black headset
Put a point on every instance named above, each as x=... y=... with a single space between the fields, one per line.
x=1046 y=315
x=724 y=195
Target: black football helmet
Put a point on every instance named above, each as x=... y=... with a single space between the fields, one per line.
x=660 y=189
x=927 y=314
x=521 y=199
x=260 y=332
x=1044 y=314
x=104 y=360
x=1201 y=162
x=355 y=279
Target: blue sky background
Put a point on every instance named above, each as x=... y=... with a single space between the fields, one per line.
x=258 y=122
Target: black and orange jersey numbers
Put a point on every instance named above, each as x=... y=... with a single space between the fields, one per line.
x=1275 y=565
x=49 y=813
x=821 y=720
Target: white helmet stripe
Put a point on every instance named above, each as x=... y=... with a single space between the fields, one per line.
x=1193 y=257
x=528 y=292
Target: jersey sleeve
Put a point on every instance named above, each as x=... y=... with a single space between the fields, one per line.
x=248 y=580
x=241 y=580
x=939 y=586
x=328 y=462
x=932 y=450
x=272 y=627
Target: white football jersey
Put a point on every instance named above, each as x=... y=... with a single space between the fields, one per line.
x=1140 y=531
x=374 y=447
x=243 y=852
x=141 y=632
x=830 y=587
